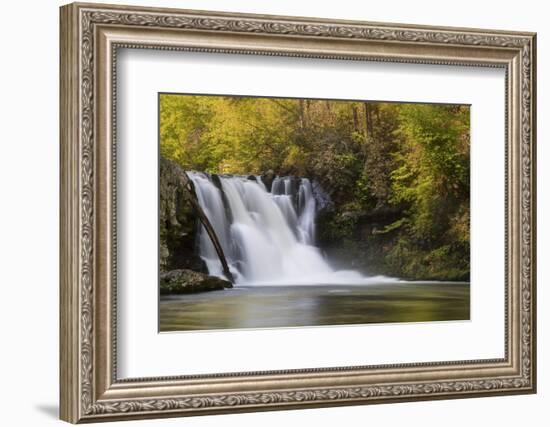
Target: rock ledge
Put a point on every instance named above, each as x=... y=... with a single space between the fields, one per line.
x=185 y=281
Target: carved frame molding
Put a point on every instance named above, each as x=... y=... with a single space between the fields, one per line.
x=90 y=37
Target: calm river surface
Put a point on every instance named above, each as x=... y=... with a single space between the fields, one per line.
x=311 y=305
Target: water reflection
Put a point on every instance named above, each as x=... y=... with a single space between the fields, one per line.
x=286 y=306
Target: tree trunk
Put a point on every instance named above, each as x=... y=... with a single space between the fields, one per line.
x=368 y=120
x=355 y=119
x=301 y=104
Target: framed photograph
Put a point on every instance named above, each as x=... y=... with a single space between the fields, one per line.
x=265 y=212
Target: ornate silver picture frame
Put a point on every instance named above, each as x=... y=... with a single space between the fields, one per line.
x=91 y=35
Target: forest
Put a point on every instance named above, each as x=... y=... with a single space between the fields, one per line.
x=397 y=175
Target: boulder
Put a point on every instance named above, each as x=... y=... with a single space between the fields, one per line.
x=185 y=281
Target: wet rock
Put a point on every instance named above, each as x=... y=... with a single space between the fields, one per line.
x=178 y=222
x=267 y=178
x=323 y=202
x=215 y=178
x=216 y=181
x=183 y=281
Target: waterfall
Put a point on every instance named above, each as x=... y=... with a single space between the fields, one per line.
x=267 y=237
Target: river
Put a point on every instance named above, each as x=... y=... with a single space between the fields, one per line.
x=281 y=278
x=312 y=305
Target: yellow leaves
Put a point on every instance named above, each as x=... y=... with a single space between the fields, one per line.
x=296 y=159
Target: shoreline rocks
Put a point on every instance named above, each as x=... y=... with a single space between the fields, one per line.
x=183 y=281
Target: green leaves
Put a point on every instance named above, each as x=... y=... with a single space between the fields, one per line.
x=432 y=178
x=411 y=160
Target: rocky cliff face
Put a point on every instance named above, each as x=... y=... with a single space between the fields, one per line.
x=178 y=222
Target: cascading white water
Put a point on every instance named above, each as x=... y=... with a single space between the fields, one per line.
x=267 y=237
